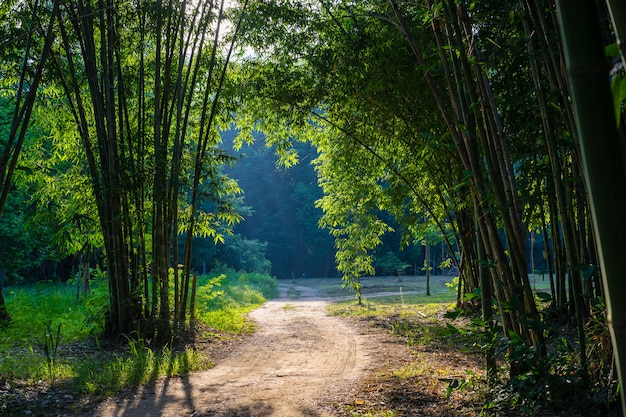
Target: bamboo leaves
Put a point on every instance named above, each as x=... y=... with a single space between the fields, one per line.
x=147 y=119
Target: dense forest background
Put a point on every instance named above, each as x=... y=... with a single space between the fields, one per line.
x=279 y=232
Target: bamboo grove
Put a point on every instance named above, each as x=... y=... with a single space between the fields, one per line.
x=455 y=116
x=458 y=118
x=141 y=83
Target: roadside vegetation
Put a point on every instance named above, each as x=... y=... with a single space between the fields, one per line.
x=445 y=373
x=52 y=356
x=453 y=136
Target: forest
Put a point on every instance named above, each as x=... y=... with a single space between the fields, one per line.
x=146 y=144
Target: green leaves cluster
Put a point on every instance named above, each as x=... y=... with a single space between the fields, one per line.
x=453 y=117
x=124 y=156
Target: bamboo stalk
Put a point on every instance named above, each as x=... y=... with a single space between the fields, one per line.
x=603 y=167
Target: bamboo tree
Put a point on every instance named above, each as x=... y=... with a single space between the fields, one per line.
x=144 y=132
x=12 y=145
x=603 y=164
x=572 y=238
x=467 y=86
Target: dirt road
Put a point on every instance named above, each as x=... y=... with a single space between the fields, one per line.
x=295 y=364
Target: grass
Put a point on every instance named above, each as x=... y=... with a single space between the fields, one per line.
x=34 y=349
x=447 y=367
x=224 y=299
x=32 y=307
x=103 y=375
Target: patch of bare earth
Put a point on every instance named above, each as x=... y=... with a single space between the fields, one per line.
x=408 y=381
x=302 y=362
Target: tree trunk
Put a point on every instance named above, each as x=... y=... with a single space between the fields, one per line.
x=601 y=152
x=487 y=311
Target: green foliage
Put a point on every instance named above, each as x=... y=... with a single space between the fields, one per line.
x=471 y=382
x=224 y=308
x=39 y=304
x=240 y=254
x=229 y=320
x=22 y=244
x=282 y=212
x=618 y=84
x=50 y=346
x=390 y=264
x=97 y=303
x=239 y=292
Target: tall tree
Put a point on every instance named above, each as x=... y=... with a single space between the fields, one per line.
x=144 y=90
x=603 y=160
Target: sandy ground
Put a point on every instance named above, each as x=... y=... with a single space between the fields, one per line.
x=297 y=362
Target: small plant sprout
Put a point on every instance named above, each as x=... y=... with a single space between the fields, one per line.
x=50 y=346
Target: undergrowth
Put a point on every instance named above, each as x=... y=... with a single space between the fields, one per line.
x=53 y=337
x=552 y=385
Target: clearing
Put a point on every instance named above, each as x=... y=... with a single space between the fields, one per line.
x=300 y=361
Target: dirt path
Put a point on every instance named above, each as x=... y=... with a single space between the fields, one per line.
x=297 y=361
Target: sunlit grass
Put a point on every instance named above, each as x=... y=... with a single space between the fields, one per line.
x=222 y=303
x=230 y=320
x=103 y=376
x=383 y=306
x=225 y=299
x=446 y=297
x=32 y=307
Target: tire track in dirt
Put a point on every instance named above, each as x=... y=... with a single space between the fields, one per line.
x=297 y=359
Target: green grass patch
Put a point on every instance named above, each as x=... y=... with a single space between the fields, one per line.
x=33 y=348
x=446 y=297
x=224 y=299
x=230 y=320
x=103 y=376
x=32 y=307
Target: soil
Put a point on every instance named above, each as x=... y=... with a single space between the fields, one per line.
x=299 y=362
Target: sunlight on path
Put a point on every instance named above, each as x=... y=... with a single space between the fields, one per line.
x=297 y=358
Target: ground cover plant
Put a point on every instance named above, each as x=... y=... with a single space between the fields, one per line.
x=445 y=373
x=52 y=356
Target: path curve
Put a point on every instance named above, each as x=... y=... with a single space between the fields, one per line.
x=292 y=366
